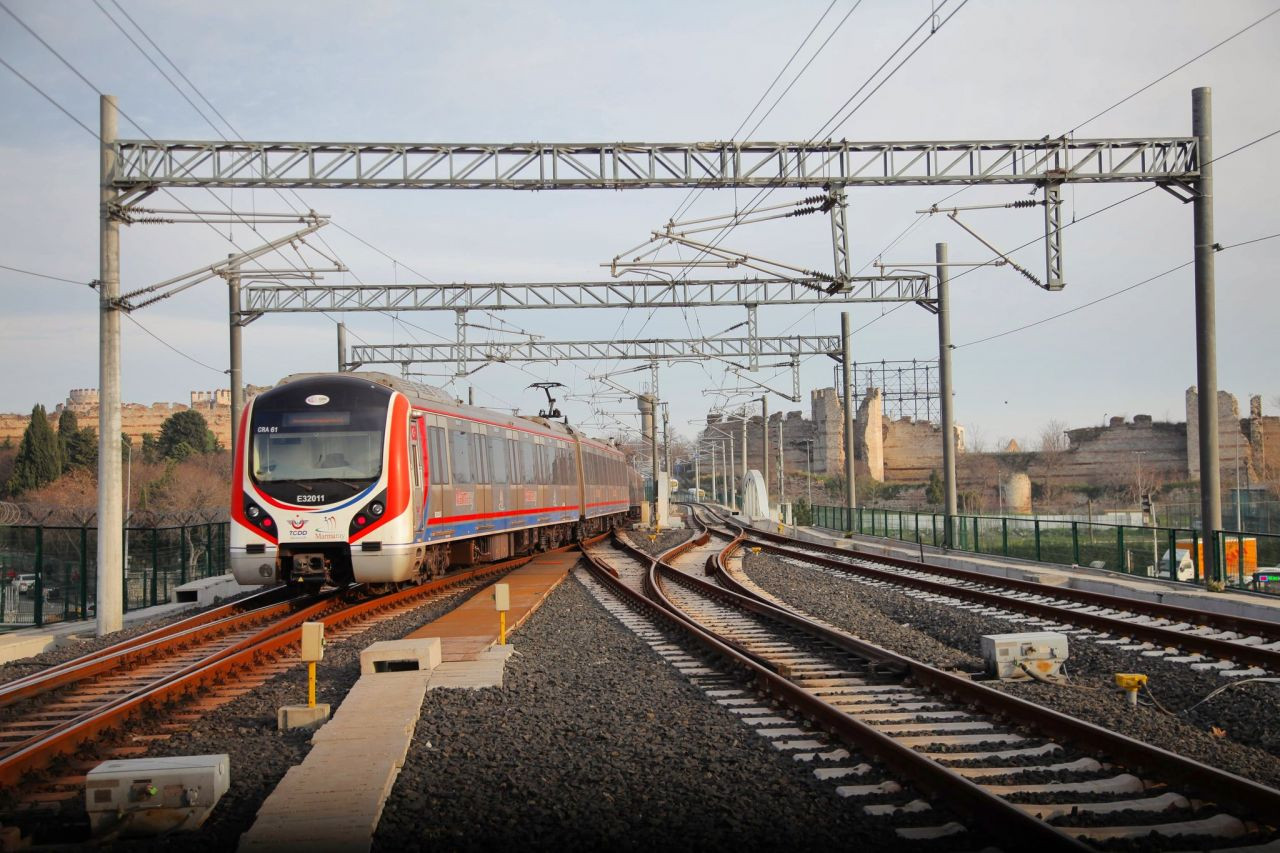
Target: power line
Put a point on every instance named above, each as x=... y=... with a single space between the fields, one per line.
x=45 y=275
x=1166 y=76
x=192 y=359
x=1111 y=295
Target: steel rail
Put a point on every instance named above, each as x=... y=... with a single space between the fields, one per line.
x=1165 y=637
x=1260 y=801
x=993 y=814
x=253 y=601
x=69 y=736
x=137 y=650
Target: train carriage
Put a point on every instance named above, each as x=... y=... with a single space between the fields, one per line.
x=367 y=477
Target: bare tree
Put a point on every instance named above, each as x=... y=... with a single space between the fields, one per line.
x=1052 y=454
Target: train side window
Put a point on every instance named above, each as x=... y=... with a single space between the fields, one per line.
x=464 y=469
x=546 y=467
x=438 y=460
x=498 y=459
x=513 y=460
x=529 y=461
x=480 y=444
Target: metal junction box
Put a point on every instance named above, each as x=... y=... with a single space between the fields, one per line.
x=1006 y=654
x=149 y=796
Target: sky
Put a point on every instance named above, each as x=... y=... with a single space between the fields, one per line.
x=654 y=71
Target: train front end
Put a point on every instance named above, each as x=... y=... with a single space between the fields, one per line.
x=320 y=495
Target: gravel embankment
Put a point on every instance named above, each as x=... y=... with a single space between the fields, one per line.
x=948 y=637
x=245 y=729
x=596 y=743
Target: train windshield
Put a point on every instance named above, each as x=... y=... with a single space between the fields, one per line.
x=318 y=441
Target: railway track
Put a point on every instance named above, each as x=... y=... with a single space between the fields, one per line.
x=78 y=706
x=1233 y=644
x=1015 y=769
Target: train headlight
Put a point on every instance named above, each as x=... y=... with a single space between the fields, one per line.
x=368 y=514
x=258 y=517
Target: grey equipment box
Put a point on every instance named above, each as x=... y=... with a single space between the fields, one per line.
x=149 y=796
x=1042 y=651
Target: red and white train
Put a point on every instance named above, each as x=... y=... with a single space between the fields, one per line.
x=366 y=477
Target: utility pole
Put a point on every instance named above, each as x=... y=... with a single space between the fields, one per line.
x=237 y=352
x=944 y=393
x=342 y=347
x=744 y=453
x=846 y=360
x=666 y=440
x=782 y=469
x=648 y=403
x=1206 y=333
x=110 y=595
x=764 y=443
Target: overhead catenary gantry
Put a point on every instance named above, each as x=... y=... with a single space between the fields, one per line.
x=656 y=349
x=133 y=169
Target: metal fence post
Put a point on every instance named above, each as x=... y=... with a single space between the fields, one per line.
x=1120 y=567
x=84 y=573
x=182 y=555
x=155 y=562
x=208 y=549
x=1173 y=554
x=976 y=549
x=1075 y=542
x=39 y=567
x=1004 y=535
x=1037 y=532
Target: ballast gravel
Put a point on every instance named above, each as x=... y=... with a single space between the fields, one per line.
x=1237 y=731
x=595 y=743
x=245 y=729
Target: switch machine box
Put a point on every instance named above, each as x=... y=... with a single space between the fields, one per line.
x=148 y=796
x=1043 y=651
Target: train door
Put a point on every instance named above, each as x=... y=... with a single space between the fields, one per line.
x=483 y=505
x=417 y=487
x=437 y=468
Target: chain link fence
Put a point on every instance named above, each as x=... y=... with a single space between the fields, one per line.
x=50 y=573
x=1168 y=553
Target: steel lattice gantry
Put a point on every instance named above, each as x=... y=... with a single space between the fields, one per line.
x=146 y=164
x=647 y=350
x=262 y=299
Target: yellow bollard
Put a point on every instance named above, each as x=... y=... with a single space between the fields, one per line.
x=1129 y=682
x=502 y=603
x=311 y=684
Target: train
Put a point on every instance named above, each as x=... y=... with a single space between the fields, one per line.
x=369 y=478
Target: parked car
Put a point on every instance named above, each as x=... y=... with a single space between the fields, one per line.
x=26 y=583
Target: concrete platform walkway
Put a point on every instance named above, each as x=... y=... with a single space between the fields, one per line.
x=333 y=800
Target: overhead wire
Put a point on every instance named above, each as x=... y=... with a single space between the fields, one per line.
x=920 y=218
x=1110 y=295
x=696 y=192
x=239 y=136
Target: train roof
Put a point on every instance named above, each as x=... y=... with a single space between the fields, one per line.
x=417 y=392
x=430 y=396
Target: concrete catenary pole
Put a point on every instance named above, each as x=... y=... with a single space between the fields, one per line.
x=945 y=394
x=237 y=352
x=110 y=595
x=647 y=403
x=666 y=441
x=846 y=362
x=744 y=454
x=698 y=471
x=730 y=463
x=342 y=347
x=764 y=443
x=782 y=471
x=1206 y=332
